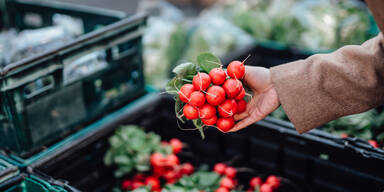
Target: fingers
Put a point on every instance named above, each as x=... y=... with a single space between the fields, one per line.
x=240 y=116
x=243 y=124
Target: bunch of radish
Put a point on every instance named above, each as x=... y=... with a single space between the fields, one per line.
x=215 y=97
x=208 y=94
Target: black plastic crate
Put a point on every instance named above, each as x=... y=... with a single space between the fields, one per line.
x=39 y=105
x=314 y=161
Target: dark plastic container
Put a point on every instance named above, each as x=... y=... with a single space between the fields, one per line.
x=315 y=161
x=12 y=180
x=38 y=105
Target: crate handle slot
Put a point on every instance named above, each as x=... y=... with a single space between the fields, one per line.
x=38 y=86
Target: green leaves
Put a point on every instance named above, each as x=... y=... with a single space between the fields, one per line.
x=208 y=61
x=201 y=180
x=131 y=148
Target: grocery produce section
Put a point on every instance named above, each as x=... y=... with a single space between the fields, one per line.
x=101 y=100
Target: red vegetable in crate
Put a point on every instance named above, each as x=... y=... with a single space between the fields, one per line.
x=172 y=160
x=273 y=181
x=153 y=182
x=266 y=188
x=222 y=189
x=373 y=143
x=255 y=182
x=187 y=169
x=176 y=145
x=217 y=76
x=230 y=172
x=126 y=185
x=219 y=168
x=137 y=184
x=227 y=182
x=201 y=81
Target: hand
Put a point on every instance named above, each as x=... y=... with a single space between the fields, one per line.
x=264 y=101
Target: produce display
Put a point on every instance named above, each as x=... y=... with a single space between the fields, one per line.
x=145 y=163
x=207 y=94
x=304 y=24
x=174 y=36
x=367 y=125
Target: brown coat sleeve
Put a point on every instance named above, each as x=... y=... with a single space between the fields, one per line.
x=325 y=87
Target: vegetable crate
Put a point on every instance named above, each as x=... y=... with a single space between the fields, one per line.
x=41 y=101
x=11 y=180
x=313 y=162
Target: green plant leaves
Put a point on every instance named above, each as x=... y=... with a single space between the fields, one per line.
x=208 y=61
x=131 y=148
x=201 y=180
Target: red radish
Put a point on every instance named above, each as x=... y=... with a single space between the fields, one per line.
x=273 y=181
x=215 y=95
x=227 y=183
x=210 y=121
x=207 y=111
x=241 y=106
x=241 y=95
x=157 y=159
x=219 y=168
x=172 y=160
x=344 y=135
x=170 y=176
x=185 y=92
x=222 y=189
x=158 y=171
x=230 y=172
x=217 y=76
x=201 y=81
x=266 y=188
x=187 y=169
x=197 y=99
x=176 y=145
x=137 y=184
x=228 y=108
x=126 y=185
x=153 y=181
x=225 y=123
x=373 y=143
x=190 y=112
x=236 y=70
x=139 y=177
x=232 y=88
x=255 y=182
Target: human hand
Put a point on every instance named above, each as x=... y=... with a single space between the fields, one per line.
x=264 y=101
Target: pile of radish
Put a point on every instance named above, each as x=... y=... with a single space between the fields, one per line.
x=213 y=95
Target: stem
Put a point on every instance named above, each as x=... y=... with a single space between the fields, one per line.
x=209 y=94
x=215 y=63
x=249 y=95
x=246 y=58
x=229 y=113
x=187 y=80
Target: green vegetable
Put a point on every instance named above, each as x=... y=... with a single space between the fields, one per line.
x=131 y=148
